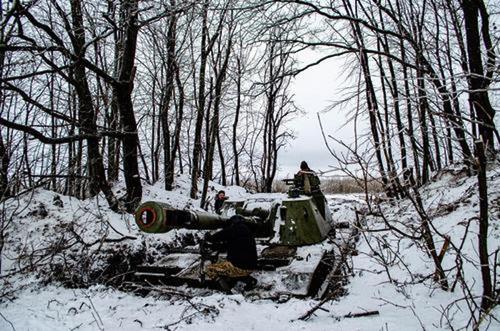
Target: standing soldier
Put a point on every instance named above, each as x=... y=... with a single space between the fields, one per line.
x=307 y=179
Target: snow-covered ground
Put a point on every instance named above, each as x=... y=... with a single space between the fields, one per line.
x=389 y=274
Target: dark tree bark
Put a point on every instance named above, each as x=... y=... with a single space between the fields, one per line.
x=26 y=160
x=487 y=300
x=122 y=90
x=169 y=180
x=236 y=172
x=4 y=170
x=271 y=92
x=223 y=173
x=397 y=113
x=457 y=29
x=200 y=106
x=76 y=149
x=275 y=84
x=154 y=148
x=409 y=116
x=423 y=109
x=371 y=100
x=113 y=119
x=448 y=146
x=113 y=143
x=385 y=127
x=4 y=150
x=86 y=112
x=206 y=47
x=169 y=89
x=437 y=144
x=479 y=80
x=70 y=181
x=214 y=125
x=53 y=132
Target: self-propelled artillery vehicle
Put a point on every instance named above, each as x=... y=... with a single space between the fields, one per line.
x=294 y=233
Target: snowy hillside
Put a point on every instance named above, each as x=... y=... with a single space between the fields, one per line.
x=63 y=261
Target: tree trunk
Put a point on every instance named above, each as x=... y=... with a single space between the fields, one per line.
x=478 y=80
x=4 y=150
x=169 y=89
x=397 y=113
x=4 y=170
x=195 y=172
x=223 y=174
x=155 y=139
x=53 y=132
x=409 y=116
x=123 y=92
x=435 y=137
x=235 y=124
x=214 y=127
x=113 y=143
x=169 y=180
x=423 y=109
x=385 y=131
x=114 y=116
x=448 y=146
x=487 y=300
x=372 y=105
x=86 y=113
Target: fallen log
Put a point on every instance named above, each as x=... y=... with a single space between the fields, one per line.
x=366 y=313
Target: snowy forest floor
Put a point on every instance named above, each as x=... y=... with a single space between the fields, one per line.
x=63 y=261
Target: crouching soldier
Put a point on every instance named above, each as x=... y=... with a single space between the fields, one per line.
x=239 y=242
x=219 y=200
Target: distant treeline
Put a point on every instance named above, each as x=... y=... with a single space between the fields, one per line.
x=337 y=185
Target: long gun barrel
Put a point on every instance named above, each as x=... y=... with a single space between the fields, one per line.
x=293 y=220
x=158 y=217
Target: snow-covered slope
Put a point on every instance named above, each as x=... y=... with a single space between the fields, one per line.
x=390 y=274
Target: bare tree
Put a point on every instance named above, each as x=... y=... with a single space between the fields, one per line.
x=86 y=111
x=479 y=77
x=220 y=64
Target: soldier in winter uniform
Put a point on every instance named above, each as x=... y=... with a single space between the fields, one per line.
x=239 y=242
